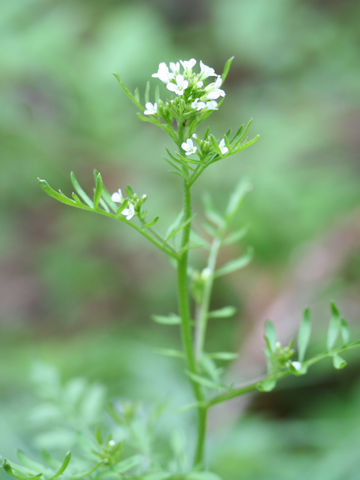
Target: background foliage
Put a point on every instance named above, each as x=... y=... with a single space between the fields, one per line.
x=77 y=292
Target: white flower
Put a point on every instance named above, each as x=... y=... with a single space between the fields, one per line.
x=213 y=90
x=180 y=85
x=175 y=67
x=197 y=105
x=188 y=64
x=151 y=109
x=129 y=212
x=224 y=149
x=212 y=105
x=188 y=147
x=117 y=197
x=296 y=365
x=206 y=71
x=112 y=443
x=200 y=84
x=163 y=73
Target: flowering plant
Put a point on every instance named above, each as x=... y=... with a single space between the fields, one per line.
x=189 y=98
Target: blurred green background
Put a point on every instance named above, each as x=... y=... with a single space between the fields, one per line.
x=77 y=291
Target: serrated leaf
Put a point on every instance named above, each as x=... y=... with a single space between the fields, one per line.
x=270 y=335
x=224 y=312
x=63 y=466
x=171 y=319
x=224 y=356
x=338 y=362
x=236 y=264
x=304 y=334
x=266 y=385
x=205 y=382
x=98 y=189
x=334 y=326
x=79 y=190
x=344 y=331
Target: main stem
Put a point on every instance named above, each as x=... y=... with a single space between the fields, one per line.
x=186 y=329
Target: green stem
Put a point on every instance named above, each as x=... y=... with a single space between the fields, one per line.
x=202 y=319
x=186 y=331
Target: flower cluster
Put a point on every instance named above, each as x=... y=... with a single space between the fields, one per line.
x=189 y=147
x=180 y=78
x=131 y=205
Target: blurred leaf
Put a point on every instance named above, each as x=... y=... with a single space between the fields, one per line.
x=270 y=335
x=266 y=385
x=344 y=330
x=80 y=191
x=334 y=326
x=224 y=312
x=236 y=264
x=225 y=356
x=304 y=334
x=63 y=466
x=338 y=362
x=171 y=319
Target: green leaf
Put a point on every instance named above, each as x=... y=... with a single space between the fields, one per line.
x=236 y=199
x=205 y=382
x=211 y=213
x=338 y=362
x=28 y=462
x=170 y=352
x=236 y=264
x=98 y=188
x=236 y=236
x=224 y=312
x=334 y=326
x=304 y=334
x=128 y=93
x=266 y=385
x=202 y=476
x=176 y=228
x=150 y=224
x=270 y=335
x=128 y=464
x=344 y=330
x=224 y=356
x=171 y=319
x=80 y=191
x=227 y=68
x=63 y=466
x=59 y=196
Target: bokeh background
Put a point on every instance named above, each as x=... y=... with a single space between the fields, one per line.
x=76 y=291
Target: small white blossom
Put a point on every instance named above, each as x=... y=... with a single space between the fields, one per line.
x=188 y=147
x=112 y=443
x=224 y=149
x=117 y=197
x=151 y=108
x=188 y=64
x=129 y=212
x=163 y=73
x=213 y=91
x=200 y=84
x=212 y=105
x=175 y=67
x=180 y=85
x=206 y=71
x=296 y=365
x=197 y=105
